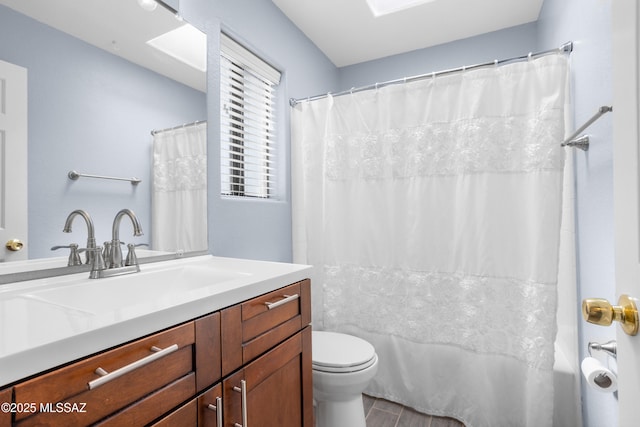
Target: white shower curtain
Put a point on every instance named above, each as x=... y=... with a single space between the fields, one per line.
x=431 y=212
x=179 y=197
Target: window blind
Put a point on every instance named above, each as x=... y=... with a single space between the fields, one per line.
x=247 y=148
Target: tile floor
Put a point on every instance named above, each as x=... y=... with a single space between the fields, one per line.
x=382 y=413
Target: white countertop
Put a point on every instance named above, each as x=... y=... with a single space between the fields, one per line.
x=47 y=322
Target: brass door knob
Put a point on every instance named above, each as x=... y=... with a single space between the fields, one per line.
x=600 y=312
x=14 y=245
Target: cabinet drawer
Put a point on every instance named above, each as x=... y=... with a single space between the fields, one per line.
x=251 y=328
x=149 y=408
x=143 y=370
x=185 y=416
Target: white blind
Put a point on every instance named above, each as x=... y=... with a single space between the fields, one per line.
x=247 y=124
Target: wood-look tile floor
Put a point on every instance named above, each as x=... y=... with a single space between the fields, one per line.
x=382 y=413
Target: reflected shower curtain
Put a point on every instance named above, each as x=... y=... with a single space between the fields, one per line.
x=179 y=196
x=431 y=213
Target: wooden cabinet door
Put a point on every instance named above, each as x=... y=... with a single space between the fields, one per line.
x=210 y=407
x=277 y=387
x=5 y=414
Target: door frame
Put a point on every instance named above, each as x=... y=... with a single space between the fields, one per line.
x=13 y=144
x=626 y=158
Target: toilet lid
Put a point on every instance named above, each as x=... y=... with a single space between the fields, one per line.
x=335 y=352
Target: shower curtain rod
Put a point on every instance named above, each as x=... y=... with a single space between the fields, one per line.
x=566 y=47
x=186 y=125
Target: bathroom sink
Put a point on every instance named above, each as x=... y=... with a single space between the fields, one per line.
x=153 y=287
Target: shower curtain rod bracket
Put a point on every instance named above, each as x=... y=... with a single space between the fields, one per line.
x=583 y=141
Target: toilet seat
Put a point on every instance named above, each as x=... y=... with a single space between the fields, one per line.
x=340 y=353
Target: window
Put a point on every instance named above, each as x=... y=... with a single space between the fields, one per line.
x=247 y=124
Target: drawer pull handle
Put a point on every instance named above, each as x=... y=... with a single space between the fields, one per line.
x=218 y=410
x=243 y=390
x=287 y=298
x=105 y=376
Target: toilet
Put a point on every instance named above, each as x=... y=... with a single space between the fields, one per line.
x=343 y=366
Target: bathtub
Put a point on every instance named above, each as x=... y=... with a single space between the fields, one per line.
x=566 y=370
x=567 y=409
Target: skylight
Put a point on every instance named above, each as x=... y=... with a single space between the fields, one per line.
x=186 y=44
x=385 y=7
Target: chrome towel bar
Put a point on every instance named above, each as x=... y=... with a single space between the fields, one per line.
x=75 y=175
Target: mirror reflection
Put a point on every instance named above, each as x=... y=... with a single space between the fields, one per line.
x=98 y=96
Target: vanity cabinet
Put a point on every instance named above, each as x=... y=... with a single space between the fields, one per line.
x=252 y=361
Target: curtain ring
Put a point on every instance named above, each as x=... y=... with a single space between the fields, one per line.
x=529 y=56
x=495 y=62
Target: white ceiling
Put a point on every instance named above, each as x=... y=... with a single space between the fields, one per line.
x=348 y=33
x=120 y=27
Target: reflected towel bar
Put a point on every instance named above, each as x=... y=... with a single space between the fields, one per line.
x=75 y=175
x=583 y=141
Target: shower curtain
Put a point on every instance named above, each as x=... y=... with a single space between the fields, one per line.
x=431 y=213
x=179 y=194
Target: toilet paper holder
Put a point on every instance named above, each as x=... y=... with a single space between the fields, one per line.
x=610 y=348
x=597 y=375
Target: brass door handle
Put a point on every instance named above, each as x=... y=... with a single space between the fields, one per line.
x=14 y=245
x=600 y=312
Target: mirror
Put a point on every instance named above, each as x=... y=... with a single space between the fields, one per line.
x=96 y=91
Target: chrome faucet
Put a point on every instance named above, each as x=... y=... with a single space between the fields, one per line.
x=116 y=251
x=91 y=237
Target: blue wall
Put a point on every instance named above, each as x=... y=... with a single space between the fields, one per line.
x=93 y=112
x=257 y=229
x=506 y=43
x=588 y=24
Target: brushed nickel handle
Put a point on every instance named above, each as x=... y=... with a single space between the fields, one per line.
x=218 y=409
x=287 y=298
x=14 y=245
x=601 y=312
x=105 y=376
x=243 y=391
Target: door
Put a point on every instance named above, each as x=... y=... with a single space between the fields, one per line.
x=626 y=195
x=273 y=390
x=13 y=162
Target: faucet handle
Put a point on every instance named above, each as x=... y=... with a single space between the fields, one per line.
x=106 y=253
x=132 y=259
x=97 y=262
x=74 y=255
